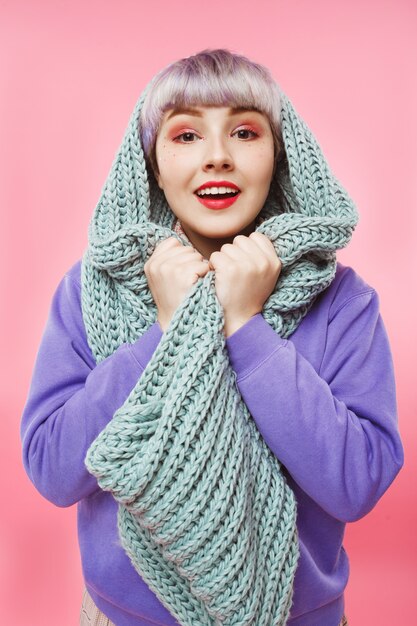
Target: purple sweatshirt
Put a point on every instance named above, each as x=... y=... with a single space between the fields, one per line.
x=324 y=400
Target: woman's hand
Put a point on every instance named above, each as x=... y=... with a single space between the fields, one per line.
x=171 y=272
x=246 y=274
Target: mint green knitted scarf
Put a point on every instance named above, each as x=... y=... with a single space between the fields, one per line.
x=205 y=513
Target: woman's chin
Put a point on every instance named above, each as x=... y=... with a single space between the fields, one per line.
x=226 y=229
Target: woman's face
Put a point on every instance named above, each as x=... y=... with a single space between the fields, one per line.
x=214 y=145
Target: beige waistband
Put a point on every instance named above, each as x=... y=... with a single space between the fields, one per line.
x=90 y=614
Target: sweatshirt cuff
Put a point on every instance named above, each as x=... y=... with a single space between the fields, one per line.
x=251 y=344
x=144 y=347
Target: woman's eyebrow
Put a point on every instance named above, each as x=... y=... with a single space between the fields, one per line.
x=197 y=113
x=184 y=110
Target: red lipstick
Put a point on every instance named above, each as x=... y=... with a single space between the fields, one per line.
x=214 y=202
x=218 y=183
x=217 y=203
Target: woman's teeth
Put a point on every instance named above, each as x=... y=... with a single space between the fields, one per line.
x=216 y=190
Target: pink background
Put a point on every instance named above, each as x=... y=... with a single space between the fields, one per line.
x=70 y=75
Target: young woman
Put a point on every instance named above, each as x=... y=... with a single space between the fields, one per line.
x=213 y=389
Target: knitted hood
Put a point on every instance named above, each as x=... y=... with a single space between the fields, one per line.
x=205 y=513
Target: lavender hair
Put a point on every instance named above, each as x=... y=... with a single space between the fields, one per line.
x=209 y=78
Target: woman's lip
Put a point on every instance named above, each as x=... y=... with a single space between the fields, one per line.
x=218 y=183
x=217 y=203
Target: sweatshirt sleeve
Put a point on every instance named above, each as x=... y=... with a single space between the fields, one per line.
x=71 y=399
x=335 y=430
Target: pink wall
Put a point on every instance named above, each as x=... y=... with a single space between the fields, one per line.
x=70 y=75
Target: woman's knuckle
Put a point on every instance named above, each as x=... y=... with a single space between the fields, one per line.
x=148 y=268
x=264 y=266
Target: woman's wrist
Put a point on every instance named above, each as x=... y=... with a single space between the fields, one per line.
x=231 y=325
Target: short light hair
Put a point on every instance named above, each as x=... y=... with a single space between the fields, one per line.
x=210 y=78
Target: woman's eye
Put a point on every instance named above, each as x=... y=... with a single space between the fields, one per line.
x=246 y=133
x=187 y=137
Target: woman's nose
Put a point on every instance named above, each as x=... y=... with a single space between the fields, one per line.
x=217 y=156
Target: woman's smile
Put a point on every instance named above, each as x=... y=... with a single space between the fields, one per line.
x=217 y=195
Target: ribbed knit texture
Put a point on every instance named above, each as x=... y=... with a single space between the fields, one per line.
x=205 y=513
